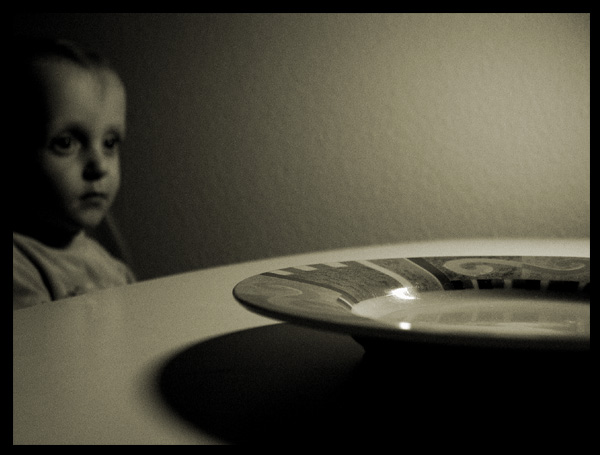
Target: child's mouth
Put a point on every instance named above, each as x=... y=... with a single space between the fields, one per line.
x=94 y=198
x=94 y=195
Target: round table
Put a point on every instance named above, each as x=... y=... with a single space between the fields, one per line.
x=177 y=360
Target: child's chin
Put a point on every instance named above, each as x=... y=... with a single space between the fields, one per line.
x=91 y=219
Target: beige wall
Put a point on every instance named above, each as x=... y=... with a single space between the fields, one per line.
x=261 y=135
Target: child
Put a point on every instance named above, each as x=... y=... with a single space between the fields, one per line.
x=67 y=124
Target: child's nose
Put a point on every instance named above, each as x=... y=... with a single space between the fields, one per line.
x=96 y=166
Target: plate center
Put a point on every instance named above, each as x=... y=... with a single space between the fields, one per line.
x=497 y=312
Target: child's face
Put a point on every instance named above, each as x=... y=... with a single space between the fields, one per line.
x=79 y=163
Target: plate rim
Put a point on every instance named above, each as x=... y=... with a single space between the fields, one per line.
x=360 y=326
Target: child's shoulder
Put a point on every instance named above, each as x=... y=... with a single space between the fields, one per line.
x=82 y=266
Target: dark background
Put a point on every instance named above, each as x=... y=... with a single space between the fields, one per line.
x=257 y=135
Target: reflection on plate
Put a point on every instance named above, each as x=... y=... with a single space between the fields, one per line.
x=501 y=301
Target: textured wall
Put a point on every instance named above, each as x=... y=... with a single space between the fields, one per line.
x=260 y=135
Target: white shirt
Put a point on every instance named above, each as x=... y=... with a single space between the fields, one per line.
x=42 y=273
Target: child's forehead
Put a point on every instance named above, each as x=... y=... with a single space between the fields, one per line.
x=66 y=82
x=56 y=73
x=74 y=94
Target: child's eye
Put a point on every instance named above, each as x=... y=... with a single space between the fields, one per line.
x=65 y=145
x=112 y=143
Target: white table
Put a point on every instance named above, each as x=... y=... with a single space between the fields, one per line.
x=86 y=369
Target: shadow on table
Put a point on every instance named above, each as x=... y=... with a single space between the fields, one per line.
x=284 y=383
